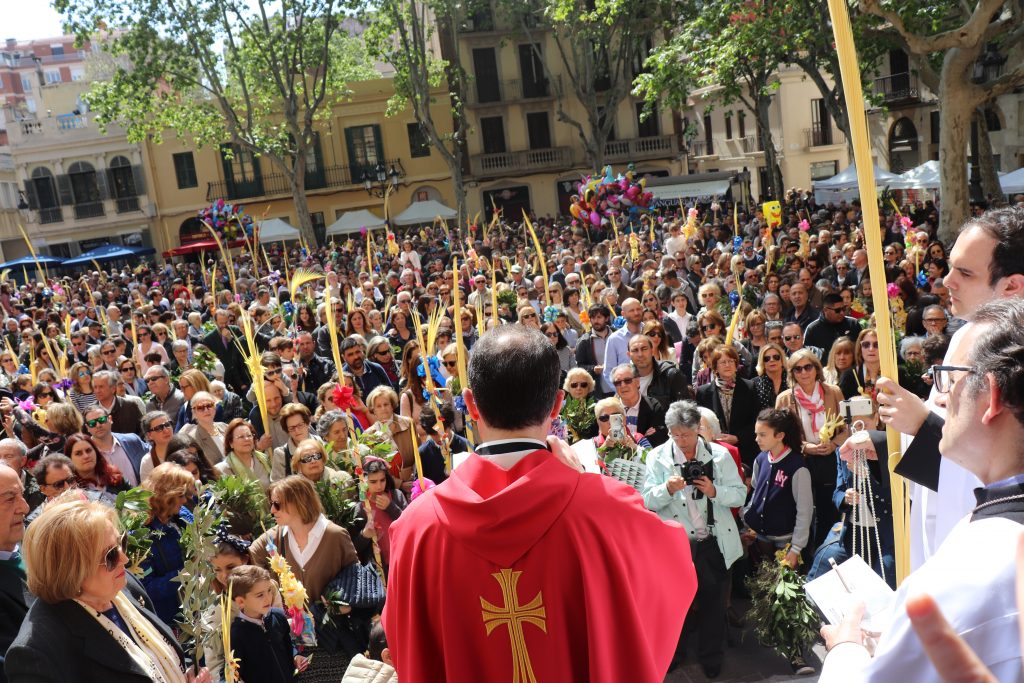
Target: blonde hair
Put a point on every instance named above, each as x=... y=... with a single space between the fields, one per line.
x=379 y=391
x=307 y=445
x=298 y=493
x=63 y=418
x=167 y=481
x=610 y=402
x=576 y=374
x=195 y=378
x=63 y=544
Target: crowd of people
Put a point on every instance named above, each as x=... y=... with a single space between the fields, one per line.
x=709 y=365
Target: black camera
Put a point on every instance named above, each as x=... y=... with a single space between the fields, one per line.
x=694 y=469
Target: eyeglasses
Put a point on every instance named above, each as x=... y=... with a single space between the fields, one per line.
x=85 y=374
x=527 y=316
x=837 y=309
x=112 y=557
x=551 y=335
x=272 y=373
x=578 y=385
x=102 y=420
x=161 y=427
x=798 y=369
x=45 y=394
x=793 y=337
x=296 y=427
x=127 y=368
x=109 y=352
x=869 y=344
x=621 y=382
x=934 y=320
x=942 y=376
x=606 y=417
x=382 y=352
x=705 y=328
x=772 y=359
x=155 y=378
x=312 y=457
x=450 y=363
x=276 y=505
x=61 y=484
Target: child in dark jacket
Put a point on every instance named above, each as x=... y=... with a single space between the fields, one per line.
x=260 y=634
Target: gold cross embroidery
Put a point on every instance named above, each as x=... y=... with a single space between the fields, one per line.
x=514 y=615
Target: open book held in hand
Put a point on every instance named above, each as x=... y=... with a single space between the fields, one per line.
x=836 y=592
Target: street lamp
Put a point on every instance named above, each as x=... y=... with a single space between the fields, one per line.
x=376 y=183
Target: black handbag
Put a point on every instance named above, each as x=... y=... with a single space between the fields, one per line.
x=359 y=585
x=707 y=556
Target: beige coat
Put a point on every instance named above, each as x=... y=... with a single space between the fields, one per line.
x=207 y=444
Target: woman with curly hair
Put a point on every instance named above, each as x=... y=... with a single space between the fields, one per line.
x=171 y=487
x=305 y=317
x=92 y=470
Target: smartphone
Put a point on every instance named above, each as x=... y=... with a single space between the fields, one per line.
x=616 y=429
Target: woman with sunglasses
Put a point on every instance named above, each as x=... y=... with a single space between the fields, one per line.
x=92 y=470
x=80 y=394
x=579 y=404
x=146 y=344
x=43 y=394
x=566 y=357
x=208 y=432
x=309 y=459
x=171 y=488
x=812 y=402
x=84 y=627
x=526 y=315
x=860 y=379
x=241 y=459
x=659 y=339
x=8 y=369
x=379 y=351
x=158 y=430
x=771 y=377
x=133 y=384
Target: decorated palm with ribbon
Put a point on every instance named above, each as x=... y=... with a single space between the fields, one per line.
x=294 y=597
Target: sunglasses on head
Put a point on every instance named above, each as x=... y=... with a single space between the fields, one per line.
x=112 y=557
x=98 y=421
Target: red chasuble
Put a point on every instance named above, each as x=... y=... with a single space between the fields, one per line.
x=535 y=574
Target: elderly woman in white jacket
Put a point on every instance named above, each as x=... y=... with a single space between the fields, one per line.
x=702 y=505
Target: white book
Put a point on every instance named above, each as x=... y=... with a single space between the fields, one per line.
x=836 y=592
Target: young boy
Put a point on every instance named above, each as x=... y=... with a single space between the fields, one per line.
x=377 y=667
x=260 y=635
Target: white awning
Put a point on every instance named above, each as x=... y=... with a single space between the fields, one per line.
x=277 y=230
x=697 y=190
x=352 y=221
x=425 y=212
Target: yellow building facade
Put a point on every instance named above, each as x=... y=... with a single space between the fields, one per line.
x=520 y=155
x=356 y=139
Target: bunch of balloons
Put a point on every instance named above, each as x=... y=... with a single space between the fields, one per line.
x=229 y=221
x=601 y=197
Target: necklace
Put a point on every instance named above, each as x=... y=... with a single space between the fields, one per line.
x=1019 y=496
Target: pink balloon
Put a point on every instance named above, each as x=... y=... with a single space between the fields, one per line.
x=595 y=218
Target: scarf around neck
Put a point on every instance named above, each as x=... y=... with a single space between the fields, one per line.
x=816 y=408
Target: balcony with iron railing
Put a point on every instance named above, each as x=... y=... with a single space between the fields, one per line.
x=635 y=149
x=127 y=204
x=52 y=214
x=89 y=210
x=277 y=184
x=823 y=136
x=902 y=87
x=503 y=163
x=505 y=92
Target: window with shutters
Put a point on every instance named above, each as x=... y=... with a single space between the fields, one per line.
x=185 y=170
x=365 y=150
x=419 y=144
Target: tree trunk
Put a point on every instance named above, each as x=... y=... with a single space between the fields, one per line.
x=775 y=189
x=460 y=189
x=954 y=133
x=990 y=187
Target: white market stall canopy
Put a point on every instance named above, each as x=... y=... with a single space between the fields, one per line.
x=277 y=230
x=844 y=184
x=352 y=221
x=1012 y=183
x=425 y=212
x=924 y=177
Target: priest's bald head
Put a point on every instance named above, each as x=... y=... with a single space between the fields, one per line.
x=513 y=383
x=982 y=389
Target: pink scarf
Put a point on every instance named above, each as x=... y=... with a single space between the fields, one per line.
x=814 y=408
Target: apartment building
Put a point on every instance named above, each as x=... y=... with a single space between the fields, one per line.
x=520 y=156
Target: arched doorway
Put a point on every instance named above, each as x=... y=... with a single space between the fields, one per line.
x=192 y=230
x=904 y=153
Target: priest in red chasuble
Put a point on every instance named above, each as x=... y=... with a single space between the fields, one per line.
x=520 y=568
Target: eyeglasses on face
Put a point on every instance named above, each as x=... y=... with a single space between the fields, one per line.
x=61 y=484
x=102 y=420
x=793 y=337
x=276 y=505
x=112 y=557
x=866 y=344
x=450 y=363
x=578 y=385
x=772 y=358
x=312 y=457
x=708 y=328
x=800 y=369
x=163 y=426
x=623 y=382
x=942 y=376
x=607 y=416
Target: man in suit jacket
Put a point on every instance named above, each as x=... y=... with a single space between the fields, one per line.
x=222 y=341
x=644 y=415
x=13 y=453
x=125 y=451
x=14 y=595
x=125 y=415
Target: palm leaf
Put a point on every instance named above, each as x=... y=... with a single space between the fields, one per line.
x=301 y=277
